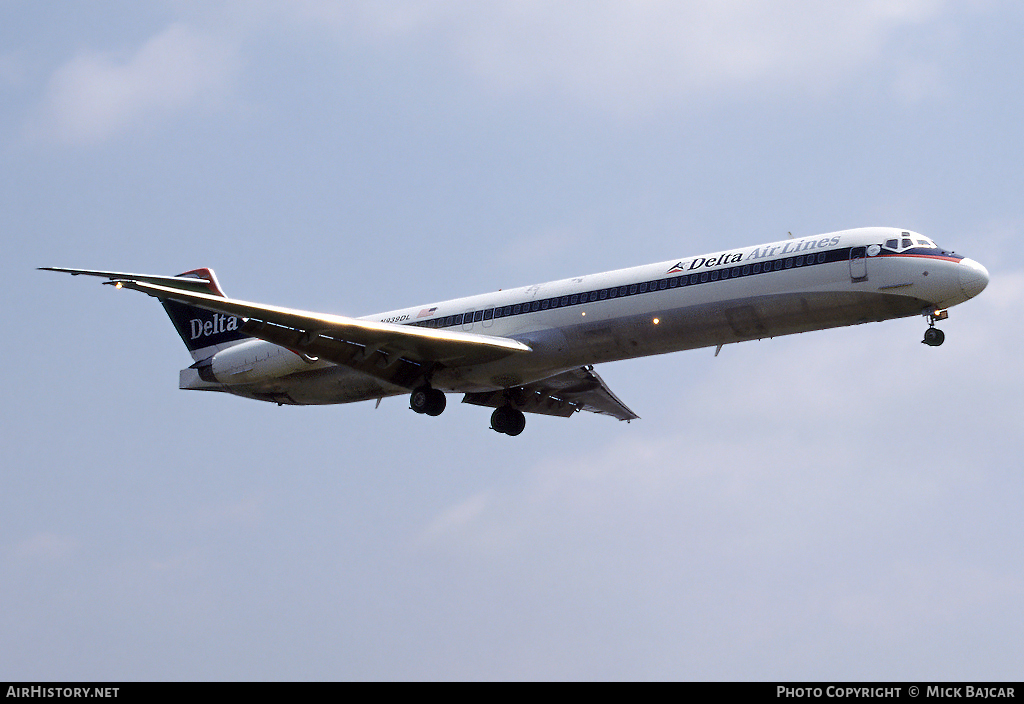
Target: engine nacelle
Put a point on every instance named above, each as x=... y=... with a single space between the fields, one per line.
x=251 y=362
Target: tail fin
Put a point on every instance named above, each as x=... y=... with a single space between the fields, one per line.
x=204 y=332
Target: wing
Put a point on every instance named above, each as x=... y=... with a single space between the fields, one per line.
x=560 y=395
x=372 y=347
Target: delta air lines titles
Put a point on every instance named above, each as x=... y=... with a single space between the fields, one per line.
x=760 y=252
x=219 y=323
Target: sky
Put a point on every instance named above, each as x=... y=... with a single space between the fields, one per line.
x=836 y=505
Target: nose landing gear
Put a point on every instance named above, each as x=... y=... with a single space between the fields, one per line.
x=933 y=337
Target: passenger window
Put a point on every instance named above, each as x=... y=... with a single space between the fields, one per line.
x=488 y=314
x=632 y=289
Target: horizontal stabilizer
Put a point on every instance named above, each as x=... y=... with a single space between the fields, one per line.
x=202 y=284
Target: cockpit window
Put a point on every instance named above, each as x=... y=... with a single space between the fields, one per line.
x=908 y=241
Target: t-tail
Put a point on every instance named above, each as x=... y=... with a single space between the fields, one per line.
x=204 y=332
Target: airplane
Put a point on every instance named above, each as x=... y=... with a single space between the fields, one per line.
x=533 y=349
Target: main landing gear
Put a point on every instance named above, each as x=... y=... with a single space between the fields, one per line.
x=508 y=420
x=427 y=400
x=505 y=419
x=933 y=337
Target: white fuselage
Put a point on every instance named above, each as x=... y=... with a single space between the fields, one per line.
x=780 y=288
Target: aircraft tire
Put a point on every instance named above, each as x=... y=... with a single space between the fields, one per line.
x=419 y=399
x=508 y=420
x=436 y=404
x=518 y=422
x=934 y=337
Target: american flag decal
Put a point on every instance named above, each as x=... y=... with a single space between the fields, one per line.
x=426 y=311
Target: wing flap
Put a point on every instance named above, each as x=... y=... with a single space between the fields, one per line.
x=560 y=395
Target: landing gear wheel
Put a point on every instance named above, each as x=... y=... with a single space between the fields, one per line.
x=437 y=403
x=508 y=420
x=933 y=337
x=427 y=400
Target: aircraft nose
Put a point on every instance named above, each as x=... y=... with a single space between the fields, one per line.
x=973 y=277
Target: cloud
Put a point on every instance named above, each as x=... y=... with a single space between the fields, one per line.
x=629 y=57
x=46 y=546
x=454 y=519
x=96 y=95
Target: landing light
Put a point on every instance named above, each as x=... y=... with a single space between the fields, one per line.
x=656 y=321
x=118 y=285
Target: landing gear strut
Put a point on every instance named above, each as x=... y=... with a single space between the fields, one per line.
x=427 y=400
x=933 y=337
x=508 y=420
